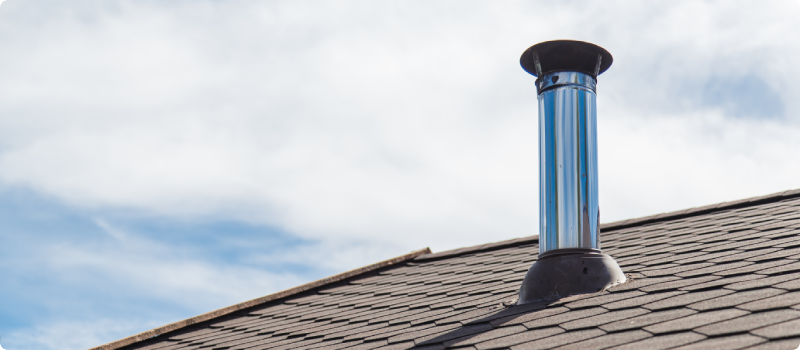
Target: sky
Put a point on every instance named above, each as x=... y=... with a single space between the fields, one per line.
x=159 y=160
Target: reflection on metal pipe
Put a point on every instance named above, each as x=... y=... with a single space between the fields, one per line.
x=568 y=197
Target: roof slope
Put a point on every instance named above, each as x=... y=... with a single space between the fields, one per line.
x=725 y=276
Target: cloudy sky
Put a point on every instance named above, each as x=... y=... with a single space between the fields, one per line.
x=161 y=159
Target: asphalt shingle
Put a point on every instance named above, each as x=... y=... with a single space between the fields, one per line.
x=662 y=342
x=762 y=281
x=780 y=330
x=484 y=336
x=641 y=300
x=695 y=321
x=518 y=338
x=564 y=318
x=686 y=299
x=676 y=283
x=736 y=299
x=728 y=343
x=748 y=322
x=783 y=344
x=776 y=302
x=646 y=320
x=601 y=319
x=607 y=341
x=559 y=340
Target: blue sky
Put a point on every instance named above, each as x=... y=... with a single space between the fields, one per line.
x=159 y=160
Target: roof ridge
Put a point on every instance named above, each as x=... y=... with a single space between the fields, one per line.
x=624 y=223
x=477 y=248
x=774 y=197
x=262 y=300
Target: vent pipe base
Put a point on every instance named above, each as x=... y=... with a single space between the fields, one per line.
x=560 y=276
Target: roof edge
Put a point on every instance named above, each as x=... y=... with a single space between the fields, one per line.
x=477 y=248
x=774 y=197
x=262 y=300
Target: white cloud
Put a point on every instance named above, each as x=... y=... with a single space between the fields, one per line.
x=379 y=121
x=72 y=335
x=52 y=285
x=408 y=124
x=151 y=269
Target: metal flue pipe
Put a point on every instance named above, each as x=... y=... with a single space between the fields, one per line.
x=569 y=216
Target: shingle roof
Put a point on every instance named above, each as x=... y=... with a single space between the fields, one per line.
x=719 y=277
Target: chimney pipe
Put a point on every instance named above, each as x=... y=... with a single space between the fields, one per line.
x=570 y=260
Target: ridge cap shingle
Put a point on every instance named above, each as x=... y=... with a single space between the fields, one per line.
x=741 y=203
x=258 y=301
x=478 y=248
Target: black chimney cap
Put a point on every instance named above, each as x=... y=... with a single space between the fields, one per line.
x=566 y=55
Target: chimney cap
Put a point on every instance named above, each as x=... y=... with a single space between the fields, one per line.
x=566 y=55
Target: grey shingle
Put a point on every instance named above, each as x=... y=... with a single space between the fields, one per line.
x=559 y=340
x=648 y=258
x=728 y=343
x=394 y=332
x=366 y=346
x=376 y=333
x=782 y=253
x=705 y=256
x=676 y=270
x=476 y=315
x=657 y=267
x=397 y=346
x=500 y=313
x=788 y=242
x=420 y=333
x=685 y=248
x=744 y=255
x=642 y=283
x=641 y=300
x=677 y=283
x=694 y=321
x=686 y=299
x=715 y=269
x=527 y=317
x=484 y=336
x=564 y=318
x=646 y=320
x=507 y=341
x=780 y=330
x=736 y=299
x=793 y=284
x=762 y=281
x=608 y=340
x=721 y=282
x=602 y=299
x=776 y=302
x=793 y=267
x=748 y=322
x=663 y=341
x=445 y=335
x=783 y=344
x=751 y=244
x=753 y=268
x=601 y=319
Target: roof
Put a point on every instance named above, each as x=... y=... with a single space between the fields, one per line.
x=724 y=276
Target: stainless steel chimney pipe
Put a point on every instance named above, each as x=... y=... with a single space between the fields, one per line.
x=568 y=204
x=570 y=260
